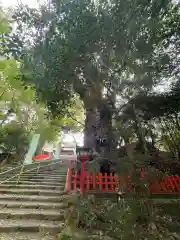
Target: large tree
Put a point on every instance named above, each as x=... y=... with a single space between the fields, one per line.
x=98 y=51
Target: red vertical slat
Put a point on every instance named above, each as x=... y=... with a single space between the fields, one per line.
x=172 y=184
x=116 y=183
x=100 y=181
x=166 y=185
x=87 y=181
x=162 y=187
x=94 y=181
x=112 y=182
x=175 y=183
x=142 y=174
x=169 y=185
x=106 y=182
x=68 y=178
x=68 y=181
x=119 y=182
x=82 y=179
x=177 y=179
x=90 y=181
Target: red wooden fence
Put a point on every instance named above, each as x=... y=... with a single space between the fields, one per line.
x=92 y=183
x=170 y=185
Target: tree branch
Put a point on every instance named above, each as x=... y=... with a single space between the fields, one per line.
x=2 y=93
x=74 y=119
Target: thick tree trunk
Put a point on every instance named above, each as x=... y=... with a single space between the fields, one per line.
x=98 y=123
x=104 y=131
x=90 y=129
x=90 y=99
x=139 y=131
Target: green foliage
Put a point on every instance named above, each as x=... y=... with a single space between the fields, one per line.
x=4 y=29
x=14 y=138
x=93 y=218
x=73 y=119
x=20 y=102
x=171 y=136
x=62 y=61
x=79 y=47
x=4 y=26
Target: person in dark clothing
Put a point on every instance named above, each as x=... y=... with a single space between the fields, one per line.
x=106 y=168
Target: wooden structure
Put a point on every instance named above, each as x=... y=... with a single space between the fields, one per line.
x=98 y=183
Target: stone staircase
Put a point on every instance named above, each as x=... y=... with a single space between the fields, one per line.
x=33 y=207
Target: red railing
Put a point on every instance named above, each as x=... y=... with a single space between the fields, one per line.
x=93 y=183
x=69 y=176
x=170 y=185
x=68 y=181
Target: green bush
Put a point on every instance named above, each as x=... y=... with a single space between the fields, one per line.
x=14 y=139
x=131 y=218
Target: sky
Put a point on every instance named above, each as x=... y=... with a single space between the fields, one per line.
x=69 y=138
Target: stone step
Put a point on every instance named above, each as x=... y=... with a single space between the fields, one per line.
x=26 y=236
x=42 y=176
x=32 y=204
x=39 y=182
x=34 y=170
x=34 y=173
x=31 y=198
x=21 y=225
x=35 y=183
x=29 y=186
x=55 y=170
x=47 y=172
x=37 y=214
x=37 y=179
x=31 y=191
